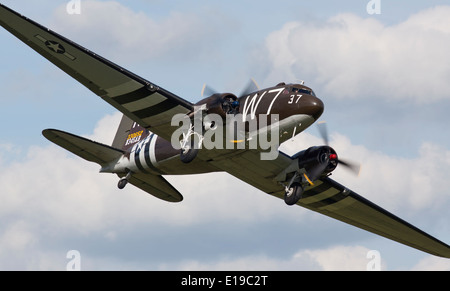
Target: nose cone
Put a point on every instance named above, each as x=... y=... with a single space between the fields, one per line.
x=312 y=106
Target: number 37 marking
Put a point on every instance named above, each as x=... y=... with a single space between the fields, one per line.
x=291 y=100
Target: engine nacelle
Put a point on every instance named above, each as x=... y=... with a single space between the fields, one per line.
x=221 y=104
x=317 y=161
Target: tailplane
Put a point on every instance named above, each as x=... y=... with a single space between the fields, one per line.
x=89 y=150
x=128 y=134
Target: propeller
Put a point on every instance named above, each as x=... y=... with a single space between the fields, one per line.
x=207 y=91
x=354 y=168
x=229 y=105
x=251 y=87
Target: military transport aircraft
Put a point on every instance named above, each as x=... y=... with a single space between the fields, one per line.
x=149 y=144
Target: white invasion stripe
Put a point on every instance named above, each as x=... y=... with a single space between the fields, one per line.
x=152 y=151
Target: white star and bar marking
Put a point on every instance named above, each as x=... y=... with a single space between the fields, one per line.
x=55 y=47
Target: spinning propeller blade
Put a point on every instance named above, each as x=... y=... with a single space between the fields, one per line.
x=251 y=87
x=354 y=168
x=322 y=126
x=207 y=91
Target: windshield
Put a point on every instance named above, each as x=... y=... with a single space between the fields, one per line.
x=304 y=91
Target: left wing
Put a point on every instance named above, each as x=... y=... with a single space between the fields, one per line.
x=145 y=103
x=330 y=198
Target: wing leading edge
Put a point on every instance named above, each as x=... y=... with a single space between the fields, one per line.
x=330 y=198
x=145 y=103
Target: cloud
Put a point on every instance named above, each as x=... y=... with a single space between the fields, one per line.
x=432 y=264
x=116 y=31
x=105 y=129
x=342 y=258
x=52 y=199
x=401 y=185
x=353 y=57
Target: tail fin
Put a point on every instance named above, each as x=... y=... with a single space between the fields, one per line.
x=128 y=133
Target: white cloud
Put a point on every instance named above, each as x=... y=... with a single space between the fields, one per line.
x=52 y=193
x=432 y=264
x=116 y=31
x=338 y=258
x=16 y=237
x=105 y=129
x=352 y=57
x=401 y=185
x=344 y=258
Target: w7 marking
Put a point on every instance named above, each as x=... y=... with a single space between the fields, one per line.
x=253 y=104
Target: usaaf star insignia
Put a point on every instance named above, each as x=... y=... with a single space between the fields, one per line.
x=54 y=46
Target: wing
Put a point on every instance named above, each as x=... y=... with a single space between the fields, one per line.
x=332 y=199
x=145 y=103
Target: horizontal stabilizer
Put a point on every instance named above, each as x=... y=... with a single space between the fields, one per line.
x=156 y=186
x=89 y=150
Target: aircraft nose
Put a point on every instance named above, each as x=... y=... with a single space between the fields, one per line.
x=312 y=106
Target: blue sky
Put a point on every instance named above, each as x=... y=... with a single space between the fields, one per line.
x=383 y=79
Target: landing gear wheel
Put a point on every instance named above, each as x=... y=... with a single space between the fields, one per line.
x=293 y=194
x=188 y=154
x=122 y=183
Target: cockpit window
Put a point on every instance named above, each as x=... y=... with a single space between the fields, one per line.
x=304 y=91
